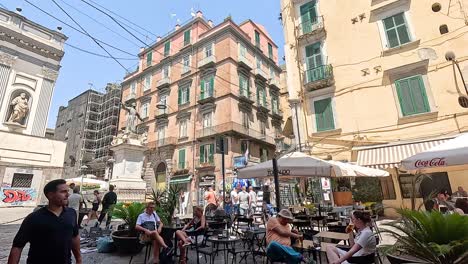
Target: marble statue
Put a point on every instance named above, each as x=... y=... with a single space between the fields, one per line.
x=20 y=109
x=131 y=126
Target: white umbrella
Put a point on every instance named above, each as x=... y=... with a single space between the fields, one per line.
x=448 y=156
x=298 y=164
x=103 y=185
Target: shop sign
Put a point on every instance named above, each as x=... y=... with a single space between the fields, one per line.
x=207 y=178
x=435 y=162
x=240 y=162
x=280 y=172
x=325 y=183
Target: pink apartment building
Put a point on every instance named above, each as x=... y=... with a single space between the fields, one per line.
x=197 y=83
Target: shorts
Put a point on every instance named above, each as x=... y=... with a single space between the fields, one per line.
x=342 y=252
x=198 y=239
x=95 y=207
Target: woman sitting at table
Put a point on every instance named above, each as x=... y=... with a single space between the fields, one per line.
x=198 y=223
x=363 y=244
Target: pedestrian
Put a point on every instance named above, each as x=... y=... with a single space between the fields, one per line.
x=211 y=197
x=244 y=201
x=52 y=231
x=95 y=202
x=151 y=226
x=235 y=199
x=75 y=201
x=460 y=193
x=108 y=203
x=253 y=200
x=72 y=187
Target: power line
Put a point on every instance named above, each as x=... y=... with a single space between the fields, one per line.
x=113 y=19
x=99 y=44
x=97 y=21
x=96 y=54
x=74 y=28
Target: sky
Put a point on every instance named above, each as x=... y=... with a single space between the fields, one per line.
x=81 y=71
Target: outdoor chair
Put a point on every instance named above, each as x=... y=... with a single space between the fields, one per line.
x=245 y=221
x=197 y=243
x=248 y=239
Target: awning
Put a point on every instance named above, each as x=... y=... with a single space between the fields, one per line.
x=390 y=155
x=180 y=179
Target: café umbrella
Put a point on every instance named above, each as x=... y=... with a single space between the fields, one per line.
x=298 y=164
x=448 y=156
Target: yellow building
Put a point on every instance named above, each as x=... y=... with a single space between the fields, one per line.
x=373 y=85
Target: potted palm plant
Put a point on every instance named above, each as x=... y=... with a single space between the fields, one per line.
x=431 y=237
x=127 y=241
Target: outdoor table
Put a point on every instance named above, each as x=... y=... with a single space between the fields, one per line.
x=226 y=241
x=306 y=245
x=318 y=218
x=170 y=231
x=257 y=233
x=333 y=235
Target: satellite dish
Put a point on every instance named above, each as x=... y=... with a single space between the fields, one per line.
x=427 y=54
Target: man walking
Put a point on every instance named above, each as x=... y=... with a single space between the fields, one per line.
x=51 y=231
x=235 y=199
x=108 y=202
x=75 y=201
x=244 y=202
x=253 y=200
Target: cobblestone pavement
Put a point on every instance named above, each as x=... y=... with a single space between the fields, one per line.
x=11 y=219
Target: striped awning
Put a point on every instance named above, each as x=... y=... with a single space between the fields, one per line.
x=390 y=155
x=180 y=179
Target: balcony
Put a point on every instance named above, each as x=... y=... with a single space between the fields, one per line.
x=181 y=167
x=207 y=62
x=161 y=114
x=130 y=98
x=319 y=77
x=164 y=82
x=236 y=129
x=244 y=63
x=169 y=141
x=208 y=96
x=246 y=96
x=274 y=84
x=263 y=106
x=261 y=74
x=206 y=164
x=278 y=114
x=312 y=27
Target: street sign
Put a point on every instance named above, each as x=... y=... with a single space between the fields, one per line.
x=221 y=145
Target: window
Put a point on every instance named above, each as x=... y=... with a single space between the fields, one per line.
x=161 y=132
x=149 y=58
x=207 y=153
x=274 y=104
x=259 y=63
x=207 y=119
x=261 y=95
x=308 y=16
x=181 y=159
x=147 y=85
x=208 y=50
x=243 y=50
x=21 y=180
x=163 y=101
x=244 y=146
x=187 y=37
x=406 y=183
x=133 y=88
x=167 y=48
x=207 y=87
x=412 y=95
x=144 y=111
x=314 y=61
x=396 y=30
x=262 y=128
x=245 y=120
x=244 y=85
x=388 y=189
x=183 y=128
x=270 y=51
x=184 y=94
x=165 y=71
x=186 y=63
x=257 y=39
x=263 y=155
x=272 y=73
x=324 y=115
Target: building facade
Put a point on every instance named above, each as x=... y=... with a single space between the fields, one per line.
x=198 y=83
x=372 y=84
x=30 y=56
x=88 y=125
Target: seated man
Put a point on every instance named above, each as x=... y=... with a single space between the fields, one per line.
x=363 y=245
x=279 y=236
x=150 y=225
x=198 y=223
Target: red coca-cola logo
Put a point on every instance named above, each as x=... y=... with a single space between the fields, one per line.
x=435 y=162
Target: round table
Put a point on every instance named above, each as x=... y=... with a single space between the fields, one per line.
x=226 y=241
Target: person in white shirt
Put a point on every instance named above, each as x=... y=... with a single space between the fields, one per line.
x=362 y=245
x=235 y=199
x=244 y=202
x=253 y=200
x=75 y=201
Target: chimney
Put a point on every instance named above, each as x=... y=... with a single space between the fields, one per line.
x=177 y=27
x=199 y=13
x=19 y=10
x=142 y=49
x=158 y=39
x=210 y=23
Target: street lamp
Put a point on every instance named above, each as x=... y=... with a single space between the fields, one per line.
x=462 y=99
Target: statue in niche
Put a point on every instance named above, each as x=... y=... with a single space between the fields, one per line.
x=20 y=110
x=131 y=126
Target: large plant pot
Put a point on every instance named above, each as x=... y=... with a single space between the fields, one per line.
x=397 y=259
x=343 y=198
x=126 y=244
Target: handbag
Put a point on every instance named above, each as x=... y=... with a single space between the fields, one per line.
x=150 y=225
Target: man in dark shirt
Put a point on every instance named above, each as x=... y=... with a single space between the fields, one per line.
x=51 y=231
x=109 y=200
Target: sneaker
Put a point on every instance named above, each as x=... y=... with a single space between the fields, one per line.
x=186 y=244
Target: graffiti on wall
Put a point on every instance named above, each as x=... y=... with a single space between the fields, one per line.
x=17 y=196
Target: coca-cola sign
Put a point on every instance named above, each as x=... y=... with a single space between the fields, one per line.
x=435 y=162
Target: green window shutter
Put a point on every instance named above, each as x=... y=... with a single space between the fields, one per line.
x=396 y=30
x=149 y=58
x=187 y=95
x=211 y=158
x=412 y=96
x=179 y=98
x=187 y=37
x=324 y=115
x=167 y=48
x=211 y=86
x=308 y=16
x=202 y=92
x=270 y=51
x=182 y=159
x=257 y=39
x=264 y=97
x=202 y=154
